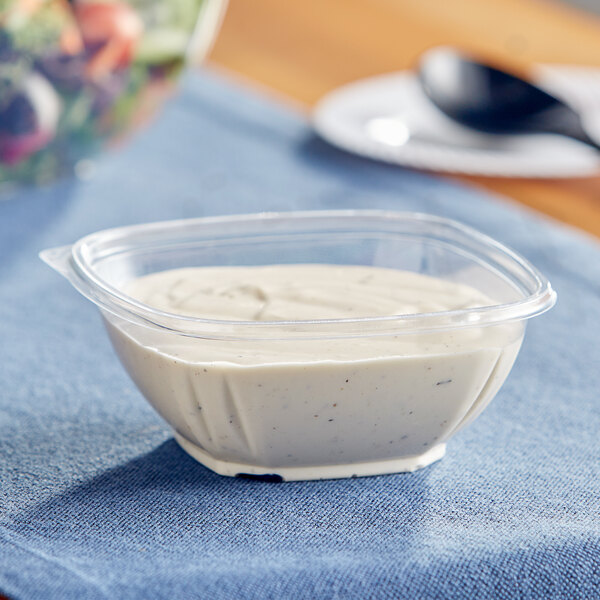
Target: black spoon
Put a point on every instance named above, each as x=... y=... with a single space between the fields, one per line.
x=485 y=98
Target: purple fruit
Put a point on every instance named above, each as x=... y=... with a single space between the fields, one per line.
x=18 y=118
x=29 y=119
x=63 y=70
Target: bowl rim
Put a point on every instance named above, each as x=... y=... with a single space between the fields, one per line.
x=80 y=272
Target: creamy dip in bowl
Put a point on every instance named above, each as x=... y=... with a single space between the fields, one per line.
x=310 y=345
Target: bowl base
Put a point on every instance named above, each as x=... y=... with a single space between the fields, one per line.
x=276 y=474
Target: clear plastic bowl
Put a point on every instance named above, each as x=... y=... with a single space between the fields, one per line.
x=419 y=378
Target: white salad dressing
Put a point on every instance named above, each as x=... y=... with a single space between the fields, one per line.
x=313 y=408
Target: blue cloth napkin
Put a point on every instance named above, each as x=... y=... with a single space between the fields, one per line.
x=98 y=501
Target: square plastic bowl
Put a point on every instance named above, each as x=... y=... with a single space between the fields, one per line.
x=412 y=382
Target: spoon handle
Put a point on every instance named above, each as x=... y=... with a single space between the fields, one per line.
x=583 y=136
x=568 y=123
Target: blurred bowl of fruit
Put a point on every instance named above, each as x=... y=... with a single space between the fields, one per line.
x=78 y=76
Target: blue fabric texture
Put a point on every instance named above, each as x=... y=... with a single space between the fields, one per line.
x=98 y=501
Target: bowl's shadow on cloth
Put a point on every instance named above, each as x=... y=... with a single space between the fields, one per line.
x=167 y=493
x=357 y=534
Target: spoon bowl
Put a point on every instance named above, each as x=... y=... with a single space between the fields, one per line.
x=485 y=98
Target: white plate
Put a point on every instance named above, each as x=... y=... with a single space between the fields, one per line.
x=388 y=118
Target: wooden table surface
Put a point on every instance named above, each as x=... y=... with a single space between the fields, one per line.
x=301 y=49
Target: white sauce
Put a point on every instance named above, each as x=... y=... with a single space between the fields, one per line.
x=313 y=408
x=296 y=292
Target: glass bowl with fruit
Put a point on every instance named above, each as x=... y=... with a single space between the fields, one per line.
x=78 y=76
